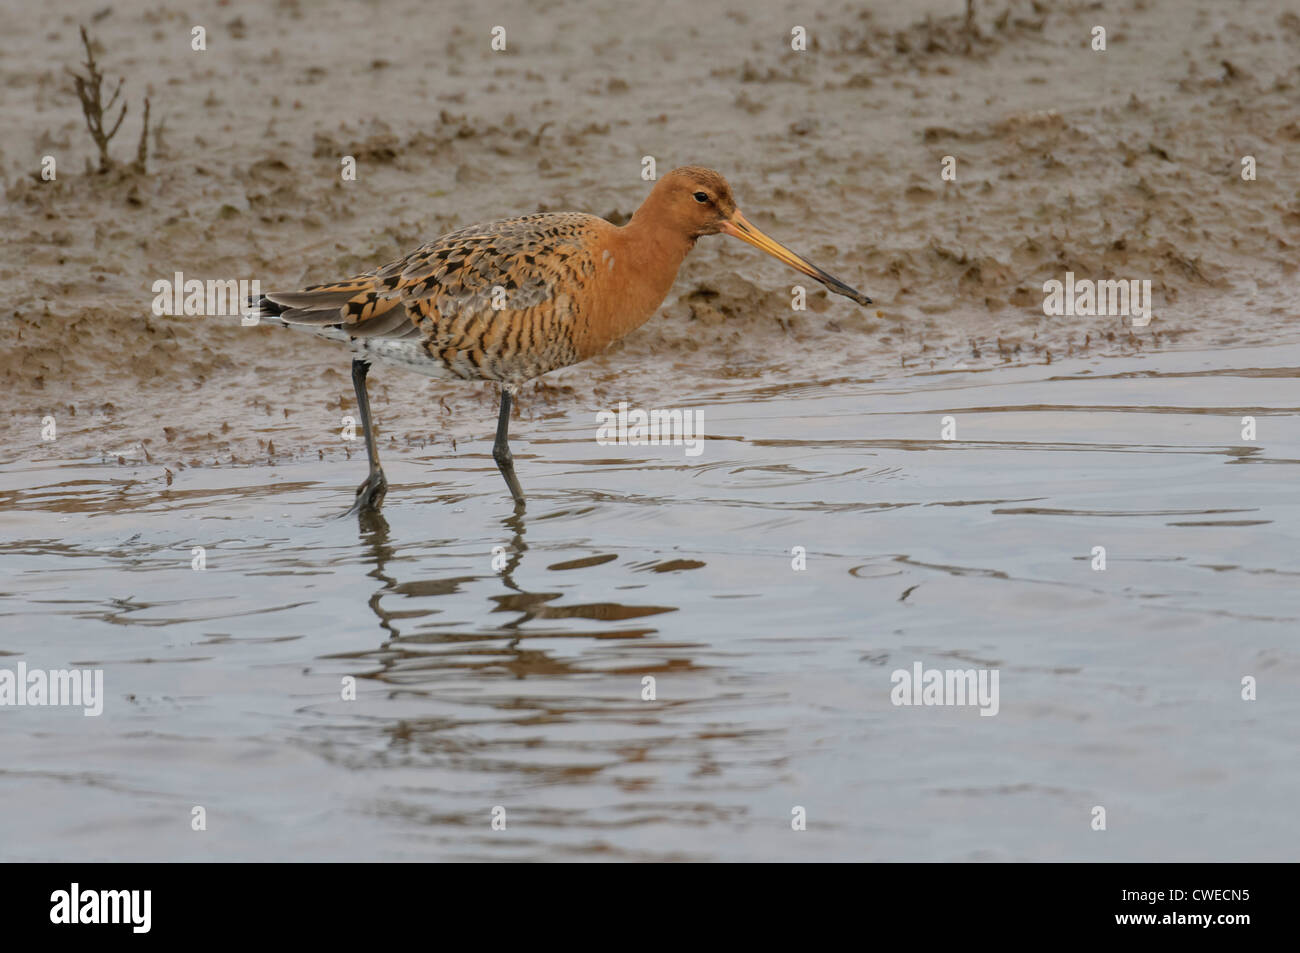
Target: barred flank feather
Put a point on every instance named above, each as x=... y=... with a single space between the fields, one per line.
x=480 y=302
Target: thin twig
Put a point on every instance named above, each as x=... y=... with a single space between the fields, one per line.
x=142 y=150
x=90 y=91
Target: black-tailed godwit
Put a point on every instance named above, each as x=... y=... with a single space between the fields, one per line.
x=511 y=300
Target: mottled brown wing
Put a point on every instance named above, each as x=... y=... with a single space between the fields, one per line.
x=457 y=290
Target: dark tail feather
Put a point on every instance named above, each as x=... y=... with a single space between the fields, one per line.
x=266 y=309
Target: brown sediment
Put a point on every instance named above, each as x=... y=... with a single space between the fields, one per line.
x=1117 y=164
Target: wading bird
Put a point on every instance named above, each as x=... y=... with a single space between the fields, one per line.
x=511 y=300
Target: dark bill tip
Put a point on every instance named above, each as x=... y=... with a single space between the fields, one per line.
x=840 y=288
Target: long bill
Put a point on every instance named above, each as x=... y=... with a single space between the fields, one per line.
x=738 y=227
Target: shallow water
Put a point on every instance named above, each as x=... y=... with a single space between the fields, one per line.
x=522 y=688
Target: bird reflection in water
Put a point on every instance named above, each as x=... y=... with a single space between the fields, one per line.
x=525 y=607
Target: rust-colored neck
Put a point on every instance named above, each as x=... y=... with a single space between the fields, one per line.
x=635 y=269
x=651 y=250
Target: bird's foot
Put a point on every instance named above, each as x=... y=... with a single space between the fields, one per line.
x=370 y=493
x=506 y=464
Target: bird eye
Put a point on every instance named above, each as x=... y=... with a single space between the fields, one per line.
x=701 y=197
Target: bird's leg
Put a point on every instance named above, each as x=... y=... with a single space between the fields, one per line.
x=371 y=492
x=501 y=448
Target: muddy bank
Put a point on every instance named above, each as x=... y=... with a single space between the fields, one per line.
x=1122 y=163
